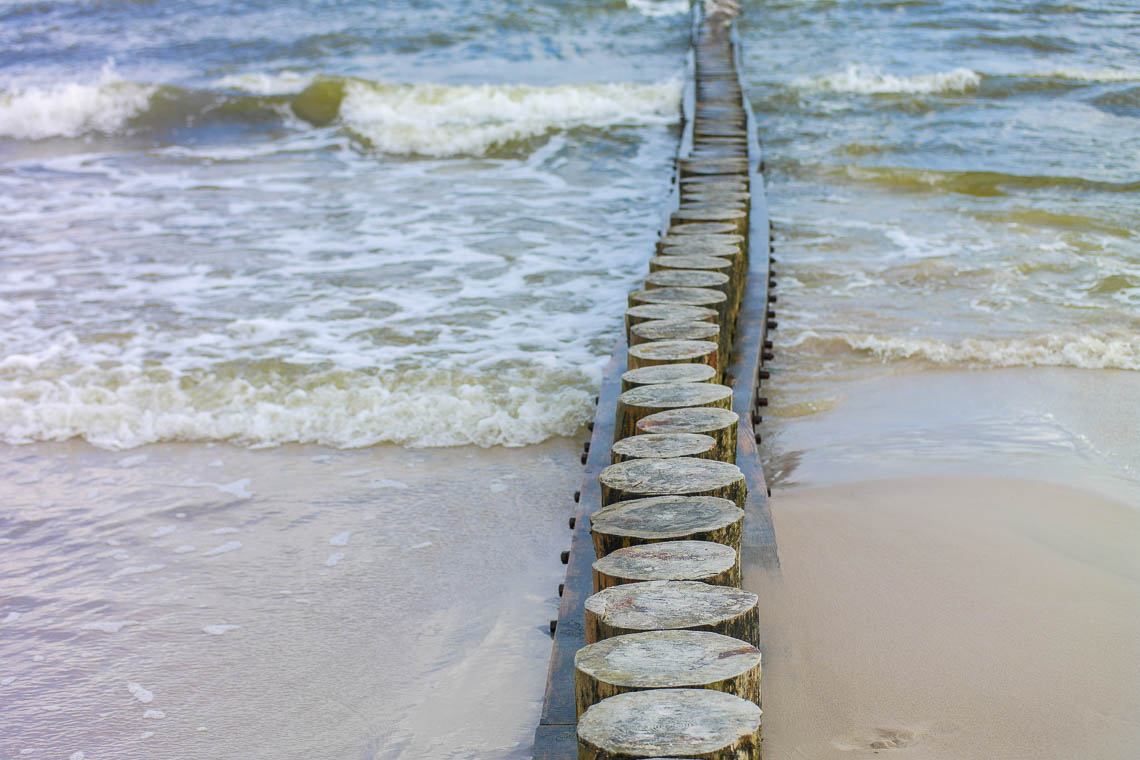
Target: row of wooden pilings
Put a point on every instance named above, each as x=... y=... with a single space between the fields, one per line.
x=671 y=666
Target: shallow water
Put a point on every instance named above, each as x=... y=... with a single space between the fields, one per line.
x=322 y=228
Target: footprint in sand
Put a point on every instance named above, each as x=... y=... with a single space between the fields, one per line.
x=877 y=739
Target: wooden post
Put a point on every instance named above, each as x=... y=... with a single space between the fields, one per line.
x=674 y=329
x=683 y=476
x=704 y=561
x=667 y=446
x=641 y=402
x=711 y=240
x=707 y=297
x=668 y=373
x=703 y=228
x=719 y=423
x=674 y=352
x=666 y=660
x=686 y=278
x=716 y=212
x=672 y=605
x=670 y=723
x=665 y=518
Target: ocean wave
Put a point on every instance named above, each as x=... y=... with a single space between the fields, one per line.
x=1086 y=75
x=983 y=184
x=406 y=119
x=655 y=8
x=72 y=109
x=121 y=409
x=444 y=120
x=1106 y=351
x=268 y=83
x=869 y=81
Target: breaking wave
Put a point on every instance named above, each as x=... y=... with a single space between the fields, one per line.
x=866 y=80
x=406 y=119
x=1053 y=349
x=124 y=408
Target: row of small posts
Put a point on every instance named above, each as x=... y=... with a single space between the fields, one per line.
x=671 y=668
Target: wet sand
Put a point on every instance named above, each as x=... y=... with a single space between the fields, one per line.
x=204 y=601
x=960 y=571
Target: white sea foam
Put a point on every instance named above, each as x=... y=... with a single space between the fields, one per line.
x=72 y=109
x=218 y=630
x=140 y=693
x=447 y=120
x=347 y=411
x=154 y=714
x=225 y=548
x=340 y=539
x=108 y=626
x=11 y=617
x=861 y=79
x=137 y=570
x=1086 y=75
x=1051 y=349
x=334 y=559
x=265 y=83
x=654 y=8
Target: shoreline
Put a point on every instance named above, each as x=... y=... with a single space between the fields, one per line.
x=964 y=617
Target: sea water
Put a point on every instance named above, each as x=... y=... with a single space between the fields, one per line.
x=260 y=261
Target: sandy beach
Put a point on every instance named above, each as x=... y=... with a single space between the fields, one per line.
x=952 y=618
x=959 y=576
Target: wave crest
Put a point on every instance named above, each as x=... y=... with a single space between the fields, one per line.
x=865 y=80
x=124 y=408
x=72 y=109
x=1053 y=350
x=444 y=120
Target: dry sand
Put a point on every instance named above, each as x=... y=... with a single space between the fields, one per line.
x=952 y=618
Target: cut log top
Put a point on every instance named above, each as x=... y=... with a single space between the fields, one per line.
x=698 y=420
x=704 y=561
x=665 y=518
x=672 y=329
x=670 y=351
x=682 y=296
x=685 y=278
x=718 y=240
x=652 y=312
x=667 y=659
x=668 y=373
x=692 y=261
x=665 y=446
x=685 y=476
x=668 y=605
x=713 y=213
x=670 y=723
x=702 y=228
x=672 y=395
x=716 y=194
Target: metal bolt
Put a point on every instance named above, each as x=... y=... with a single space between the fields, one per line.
x=553 y=626
x=771 y=283
x=756 y=418
x=572 y=522
x=760 y=401
x=565 y=556
x=767 y=344
x=764 y=374
x=590 y=426
x=773 y=324
x=766 y=356
x=772 y=298
x=586 y=446
x=577 y=496
x=585 y=457
x=561 y=588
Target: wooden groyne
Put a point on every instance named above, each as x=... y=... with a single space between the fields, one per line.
x=654 y=636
